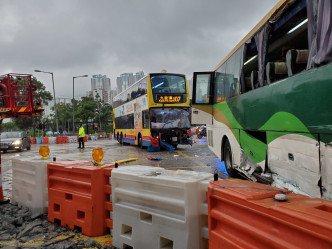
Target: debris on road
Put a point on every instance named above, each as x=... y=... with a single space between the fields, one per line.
x=155 y=158
x=19 y=229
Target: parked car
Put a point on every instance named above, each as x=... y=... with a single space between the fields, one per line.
x=15 y=140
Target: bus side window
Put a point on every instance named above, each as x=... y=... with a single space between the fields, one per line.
x=145 y=115
x=219 y=88
x=202 y=91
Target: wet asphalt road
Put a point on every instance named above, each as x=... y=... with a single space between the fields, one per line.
x=196 y=157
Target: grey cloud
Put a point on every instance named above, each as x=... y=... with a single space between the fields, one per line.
x=111 y=37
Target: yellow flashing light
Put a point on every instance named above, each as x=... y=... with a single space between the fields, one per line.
x=44 y=151
x=98 y=155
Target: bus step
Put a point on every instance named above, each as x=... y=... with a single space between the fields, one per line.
x=166 y=146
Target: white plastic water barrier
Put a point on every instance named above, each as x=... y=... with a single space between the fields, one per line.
x=29 y=187
x=72 y=139
x=158 y=208
x=51 y=140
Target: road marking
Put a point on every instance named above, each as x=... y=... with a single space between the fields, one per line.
x=189 y=157
x=182 y=154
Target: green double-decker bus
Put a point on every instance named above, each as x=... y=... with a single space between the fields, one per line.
x=268 y=103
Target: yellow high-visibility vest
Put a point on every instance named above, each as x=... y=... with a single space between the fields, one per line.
x=81 y=132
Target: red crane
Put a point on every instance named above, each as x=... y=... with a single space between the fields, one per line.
x=17 y=100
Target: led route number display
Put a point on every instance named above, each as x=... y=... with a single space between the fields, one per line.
x=169 y=99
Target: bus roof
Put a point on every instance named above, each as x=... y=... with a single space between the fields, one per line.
x=280 y=5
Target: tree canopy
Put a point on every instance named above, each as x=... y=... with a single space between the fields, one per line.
x=45 y=96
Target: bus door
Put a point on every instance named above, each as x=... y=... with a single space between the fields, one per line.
x=202 y=99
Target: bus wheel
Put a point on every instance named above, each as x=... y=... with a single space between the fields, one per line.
x=140 y=141
x=117 y=137
x=121 y=139
x=228 y=159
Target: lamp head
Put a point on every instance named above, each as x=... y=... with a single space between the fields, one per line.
x=44 y=151
x=98 y=155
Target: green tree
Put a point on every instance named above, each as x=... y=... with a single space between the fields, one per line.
x=106 y=116
x=86 y=110
x=45 y=96
x=9 y=126
x=65 y=115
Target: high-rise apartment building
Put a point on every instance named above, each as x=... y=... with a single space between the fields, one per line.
x=100 y=86
x=127 y=79
x=99 y=81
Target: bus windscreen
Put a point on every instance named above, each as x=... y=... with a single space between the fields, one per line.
x=166 y=118
x=168 y=84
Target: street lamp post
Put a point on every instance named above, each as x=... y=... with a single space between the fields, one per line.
x=74 y=100
x=55 y=109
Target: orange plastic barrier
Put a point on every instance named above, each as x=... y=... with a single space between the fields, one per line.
x=33 y=140
x=77 y=196
x=61 y=140
x=108 y=201
x=244 y=214
x=85 y=139
x=45 y=140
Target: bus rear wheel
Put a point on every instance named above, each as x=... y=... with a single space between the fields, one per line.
x=140 y=141
x=227 y=152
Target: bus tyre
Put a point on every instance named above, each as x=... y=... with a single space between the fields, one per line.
x=140 y=141
x=228 y=159
x=121 y=139
x=117 y=137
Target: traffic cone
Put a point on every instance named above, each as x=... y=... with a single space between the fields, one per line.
x=2 y=200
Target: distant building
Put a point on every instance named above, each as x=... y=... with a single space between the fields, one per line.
x=99 y=81
x=48 y=109
x=127 y=79
x=113 y=94
x=101 y=94
x=100 y=86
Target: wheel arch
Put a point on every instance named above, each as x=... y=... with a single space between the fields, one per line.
x=223 y=141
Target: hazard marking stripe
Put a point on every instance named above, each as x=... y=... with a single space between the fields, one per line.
x=22 y=109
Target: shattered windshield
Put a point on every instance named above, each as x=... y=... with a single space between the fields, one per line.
x=169 y=118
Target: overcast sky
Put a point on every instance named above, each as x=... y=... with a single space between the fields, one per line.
x=77 y=37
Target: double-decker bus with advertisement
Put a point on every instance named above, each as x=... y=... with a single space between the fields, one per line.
x=154 y=112
x=267 y=104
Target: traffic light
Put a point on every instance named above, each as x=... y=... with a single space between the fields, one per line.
x=40 y=126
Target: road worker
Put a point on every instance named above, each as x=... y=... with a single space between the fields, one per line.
x=81 y=135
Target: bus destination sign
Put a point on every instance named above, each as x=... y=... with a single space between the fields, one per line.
x=169 y=98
